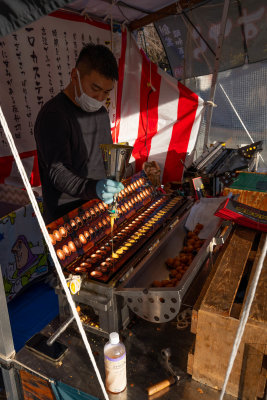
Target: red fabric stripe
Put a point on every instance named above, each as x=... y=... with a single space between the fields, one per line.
x=35 y=177
x=25 y=154
x=79 y=18
x=6 y=166
x=187 y=107
x=116 y=131
x=147 y=129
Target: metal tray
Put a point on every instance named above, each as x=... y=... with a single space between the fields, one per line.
x=163 y=304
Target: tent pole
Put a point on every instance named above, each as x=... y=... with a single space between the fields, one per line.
x=50 y=248
x=215 y=72
x=7 y=351
x=189 y=27
x=223 y=90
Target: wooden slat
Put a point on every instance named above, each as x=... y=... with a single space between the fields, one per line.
x=252 y=366
x=236 y=310
x=261 y=386
x=262 y=377
x=222 y=291
x=34 y=387
x=213 y=346
x=217 y=319
x=204 y=291
x=190 y=360
x=258 y=312
x=252 y=255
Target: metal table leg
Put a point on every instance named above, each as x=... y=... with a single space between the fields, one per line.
x=7 y=350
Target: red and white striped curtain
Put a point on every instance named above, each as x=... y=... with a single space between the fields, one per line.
x=156 y=114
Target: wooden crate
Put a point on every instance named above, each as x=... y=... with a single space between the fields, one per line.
x=34 y=387
x=215 y=320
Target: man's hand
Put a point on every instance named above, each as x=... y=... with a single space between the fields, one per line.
x=106 y=189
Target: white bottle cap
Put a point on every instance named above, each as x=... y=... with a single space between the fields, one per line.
x=114 y=338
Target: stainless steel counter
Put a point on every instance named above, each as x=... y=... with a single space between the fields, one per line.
x=144 y=341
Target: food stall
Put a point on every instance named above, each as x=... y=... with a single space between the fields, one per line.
x=164 y=261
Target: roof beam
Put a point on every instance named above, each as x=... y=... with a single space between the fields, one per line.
x=163 y=12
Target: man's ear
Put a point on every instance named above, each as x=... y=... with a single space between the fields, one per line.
x=73 y=75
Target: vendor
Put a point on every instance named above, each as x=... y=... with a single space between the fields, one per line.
x=68 y=131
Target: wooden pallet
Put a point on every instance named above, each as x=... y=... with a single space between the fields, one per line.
x=215 y=320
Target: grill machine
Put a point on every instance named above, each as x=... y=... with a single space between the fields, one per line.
x=217 y=166
x=83 y=245
x=149 y=228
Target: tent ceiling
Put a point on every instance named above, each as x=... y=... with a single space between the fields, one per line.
x=18 y=13
x=121 y=11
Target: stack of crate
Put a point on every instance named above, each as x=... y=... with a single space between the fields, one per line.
x=216 y=316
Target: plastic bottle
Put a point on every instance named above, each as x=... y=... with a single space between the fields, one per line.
x=115 y=364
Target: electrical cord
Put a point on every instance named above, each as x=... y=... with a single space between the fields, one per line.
x=198 y=32
x=148 y=96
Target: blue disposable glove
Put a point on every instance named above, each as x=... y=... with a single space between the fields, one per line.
x=106 y=189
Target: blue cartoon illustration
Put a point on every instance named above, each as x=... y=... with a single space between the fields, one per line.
x=29 y=263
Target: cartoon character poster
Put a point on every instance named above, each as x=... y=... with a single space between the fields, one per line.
x=23 y=252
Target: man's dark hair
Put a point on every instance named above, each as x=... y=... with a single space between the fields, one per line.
x=99 y=58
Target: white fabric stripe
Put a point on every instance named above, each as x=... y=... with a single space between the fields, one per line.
x=14 y=178
x=196 y=125
x=167 y=117
x=194 y=133
x=130 y=101
x=167 y=108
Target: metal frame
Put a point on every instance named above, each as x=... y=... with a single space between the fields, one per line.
x=113 y=313
x=215 y=71
x=7 y=350
x=159 y=305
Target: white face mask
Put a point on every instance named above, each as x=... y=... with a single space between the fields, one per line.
x=87 y=103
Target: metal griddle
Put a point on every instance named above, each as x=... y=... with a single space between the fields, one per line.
x=162 y=304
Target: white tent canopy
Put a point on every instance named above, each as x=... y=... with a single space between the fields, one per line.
x=120 y=11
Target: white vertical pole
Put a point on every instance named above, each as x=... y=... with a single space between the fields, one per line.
x=51 y=248
x=7 y=346
x=215 y=72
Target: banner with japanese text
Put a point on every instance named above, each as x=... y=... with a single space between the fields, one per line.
x=36 y=62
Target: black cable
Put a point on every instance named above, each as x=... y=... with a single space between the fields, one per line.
x=194 y=27
x=149 y=93
x=195 y=6
x=122 y=13
x=166 y=54
x=126 y=5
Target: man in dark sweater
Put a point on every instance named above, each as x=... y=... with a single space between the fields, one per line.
x=68 y=131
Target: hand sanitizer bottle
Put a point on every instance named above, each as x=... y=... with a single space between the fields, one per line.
x=115 y=364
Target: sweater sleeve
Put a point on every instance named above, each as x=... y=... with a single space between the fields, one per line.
x=53 y=139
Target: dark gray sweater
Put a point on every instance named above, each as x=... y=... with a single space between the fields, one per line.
x=69 y=157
